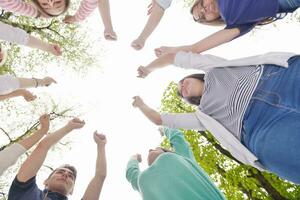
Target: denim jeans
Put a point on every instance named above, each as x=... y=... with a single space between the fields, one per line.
x=271 y=124
x=288 y=5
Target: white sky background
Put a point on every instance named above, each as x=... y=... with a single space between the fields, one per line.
x=106 y=94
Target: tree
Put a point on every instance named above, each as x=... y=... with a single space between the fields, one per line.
x=235 y=179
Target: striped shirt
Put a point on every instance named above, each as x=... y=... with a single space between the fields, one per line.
x=85 y=9
x=20 y=7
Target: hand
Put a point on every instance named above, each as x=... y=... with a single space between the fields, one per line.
x=143 y=72
x=137 y=157
x=150 y=7
x=110 y=35
x=164 y=50
x=75 y=124
x=100 y=139
x=69 y=19
x=54 y=49
x=137 y=102
x=45 y=122
x=47 y=81
x=138 y=44
x=28 y=96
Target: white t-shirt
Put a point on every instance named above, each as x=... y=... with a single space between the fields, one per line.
x=8 y=84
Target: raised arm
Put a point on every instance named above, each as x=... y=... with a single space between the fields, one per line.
x=158 y=63
x=94 y=188
x=34 y=162
x=156 y=13
x=133 y=171
x=214 y=40
x=44 y=46
x=19 y=7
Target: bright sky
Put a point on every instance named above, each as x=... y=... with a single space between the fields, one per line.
x=106 y=94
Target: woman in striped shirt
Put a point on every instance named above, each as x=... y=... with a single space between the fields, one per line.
x=250 y=105
x=53 y=8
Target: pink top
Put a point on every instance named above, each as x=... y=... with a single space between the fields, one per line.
x=19 y=7
x=85 y=9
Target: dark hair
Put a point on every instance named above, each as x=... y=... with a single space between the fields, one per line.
x=42 y=11
x=67 y=166
x=195 y=100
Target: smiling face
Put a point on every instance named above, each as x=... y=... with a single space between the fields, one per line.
x=62 y=181
x=206 y=11
x=190 y=87
x=52 y=7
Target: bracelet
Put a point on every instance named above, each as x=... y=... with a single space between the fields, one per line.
x=36 y=82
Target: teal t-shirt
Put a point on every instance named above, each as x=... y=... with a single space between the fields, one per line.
x=174 y=176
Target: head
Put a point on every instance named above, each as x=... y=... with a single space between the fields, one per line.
x=51 y=8
x=207 y=12
x=3 y=56
x=190 y=88
x=154 y=153
x=62 y=180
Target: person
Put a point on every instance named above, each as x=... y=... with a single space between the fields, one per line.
x=54 y=8
x=250 y=105
x=10 y=154
x=171 y=175
x=238 y=16
x=19 y=36
x=11 y=86
x=156 y=12
x=60 y=183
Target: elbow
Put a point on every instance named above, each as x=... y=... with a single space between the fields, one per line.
x=158 y=121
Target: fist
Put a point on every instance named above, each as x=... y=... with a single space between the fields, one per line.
x=76 y=123
x=99 y=138
x=143 y=72
x=28 y=96
x=45 y=122
x=47 y=81
x=164 y=50
x=137 y=102
x=55 y=49
x=137 y=157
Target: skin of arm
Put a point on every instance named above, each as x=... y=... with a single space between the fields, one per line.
x=150 y=113
x=160 y=62
x=31 y=82
x=207 y=43
x=34 y=162
x=28 y=96
x=156 y=15
x=94 y=188
x=39 y=44
x=104 y=10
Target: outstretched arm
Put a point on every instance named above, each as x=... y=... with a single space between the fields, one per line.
x=34 y=162
x=20 y=7
x=133 y=171
x=158 y=63
x=44 y=46
x=94 y=188
x=207 y=43
x=150 y=113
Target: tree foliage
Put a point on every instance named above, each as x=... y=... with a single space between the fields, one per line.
x=235 y=179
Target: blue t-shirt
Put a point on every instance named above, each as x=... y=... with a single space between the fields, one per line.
x=245 y=14
x=29 y=191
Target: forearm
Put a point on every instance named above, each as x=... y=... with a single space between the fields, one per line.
x=161 y=62
x=30 y=82
x=28 y=142
x=95 y=186
x=37 y=44
x=15 y=93
x=54 y=137
x=151 y=114
x=214 y=40
x=104 y=10
x=153 y=21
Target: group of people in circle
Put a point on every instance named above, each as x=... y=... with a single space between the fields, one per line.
x=250 y=105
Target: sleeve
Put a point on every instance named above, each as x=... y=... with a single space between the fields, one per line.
x=9 y=156
x=182 y=120
x=178 y=142
x=85 y=9
x=132 y=173
x=13 y=34
x=164 y=4
x=19 y=7
x=8 y=84
x=189 y=60
x=18 y=189
x=244 y=28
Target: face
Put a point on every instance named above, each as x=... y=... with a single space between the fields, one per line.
x=153 y=154
x=190 y=87
x=62 y=181
x=206 y=11
x=53 y=7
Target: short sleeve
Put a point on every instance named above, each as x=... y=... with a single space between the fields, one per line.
x=8 y=84
x=164 y=4
x=182 y=120
x=20 y=190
